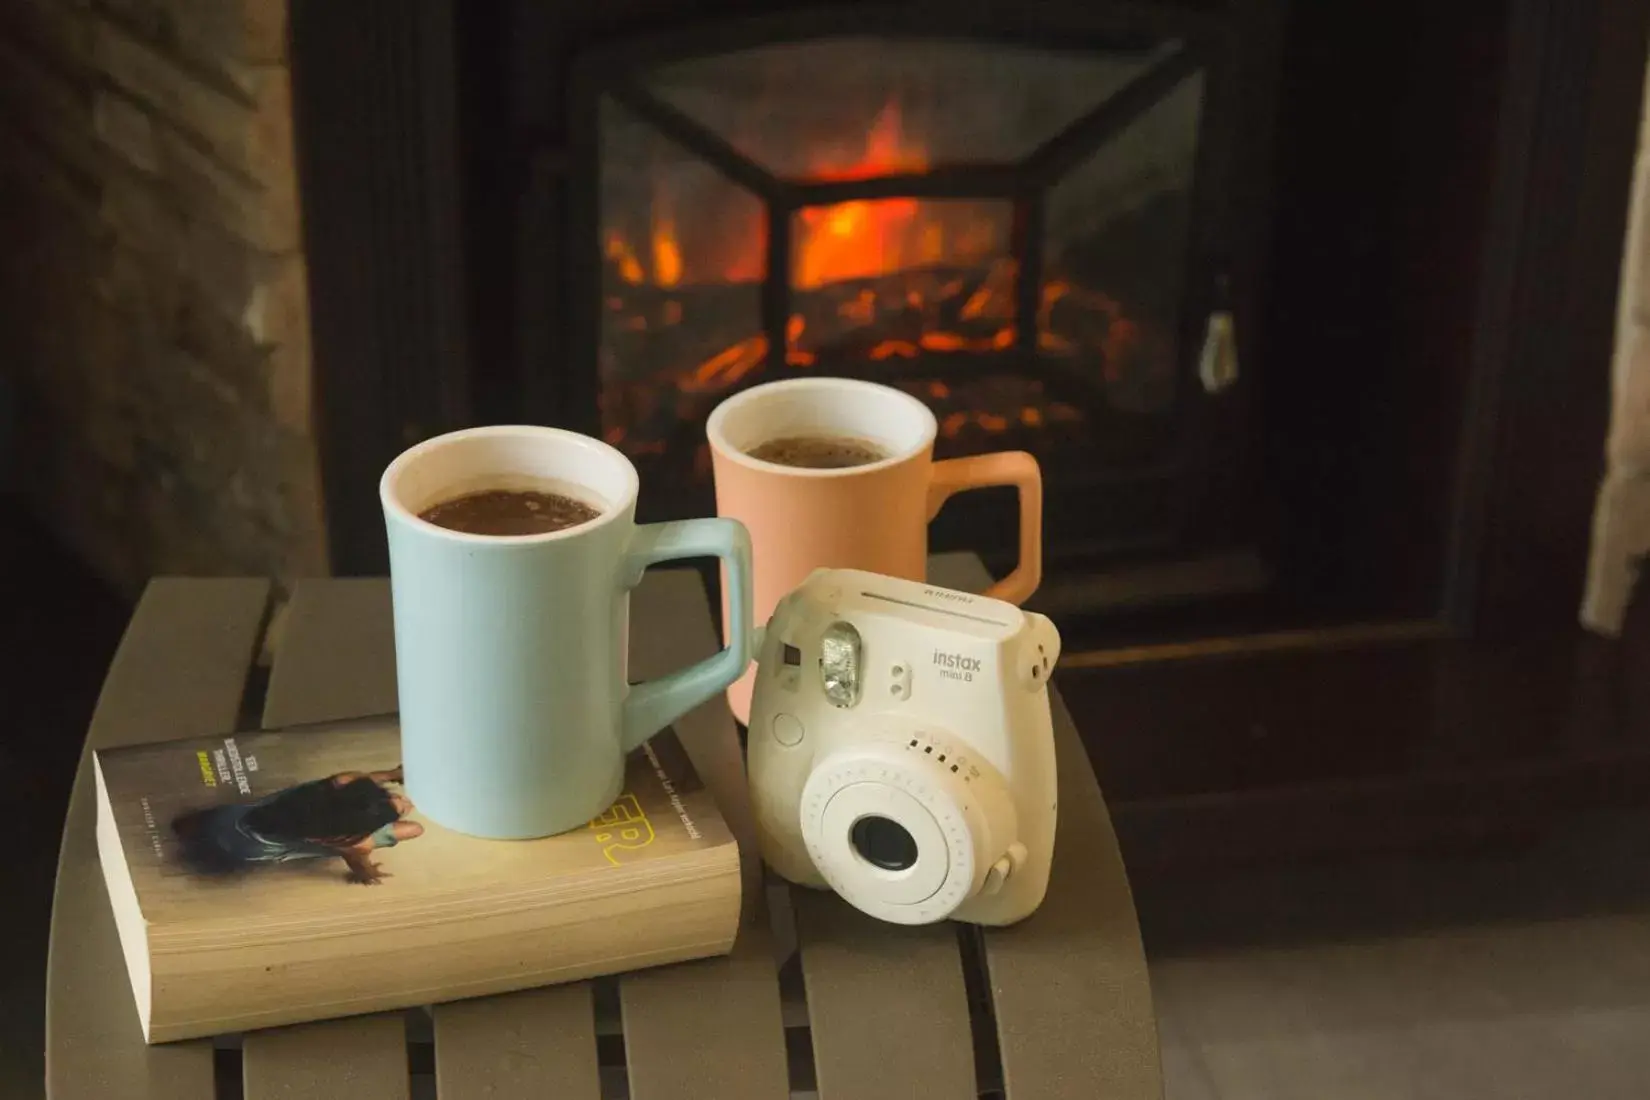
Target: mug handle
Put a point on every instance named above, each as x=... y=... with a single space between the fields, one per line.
x=653 y=705
x=1016 y=468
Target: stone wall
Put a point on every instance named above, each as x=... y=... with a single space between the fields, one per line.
x=153 y=304
x=1621 y=520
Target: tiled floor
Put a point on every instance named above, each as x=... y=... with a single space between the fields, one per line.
x=1520 y=977
x=1511 y=976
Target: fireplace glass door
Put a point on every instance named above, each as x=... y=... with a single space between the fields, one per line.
x=1011 y=233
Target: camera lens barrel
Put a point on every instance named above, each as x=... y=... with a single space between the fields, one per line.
x=898 y=834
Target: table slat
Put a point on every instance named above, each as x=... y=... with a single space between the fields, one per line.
x=179 y=672
x=887 y=1004
x=1069 y=984
x=540 y=1042
x=1072 y=994
x=335 y=659
x=710 y=1028
x=335 y=656
x=362 y=1058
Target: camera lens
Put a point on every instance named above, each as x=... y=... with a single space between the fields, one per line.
x=883 y=842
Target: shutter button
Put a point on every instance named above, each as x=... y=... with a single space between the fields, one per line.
x=999 y=872
x=787 y=730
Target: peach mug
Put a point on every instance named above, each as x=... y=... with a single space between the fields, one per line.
x=874 y=516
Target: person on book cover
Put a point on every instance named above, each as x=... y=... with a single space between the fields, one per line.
x=348 y=815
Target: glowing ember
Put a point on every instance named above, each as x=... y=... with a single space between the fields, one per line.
x=726 y=368
x=630 y=269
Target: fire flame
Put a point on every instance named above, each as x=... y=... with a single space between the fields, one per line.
x=850 y=240
x=866 y=237
x=933 y=278
x=667 y=254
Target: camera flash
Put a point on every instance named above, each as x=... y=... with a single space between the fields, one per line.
x=839 y=664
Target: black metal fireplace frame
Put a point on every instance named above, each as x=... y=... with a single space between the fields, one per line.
x=1024 y=184
x=1161 y=495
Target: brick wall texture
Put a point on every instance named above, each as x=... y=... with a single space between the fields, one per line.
x=1621 y=518
x=152 y=292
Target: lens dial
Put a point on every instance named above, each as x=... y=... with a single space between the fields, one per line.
x=900 y=834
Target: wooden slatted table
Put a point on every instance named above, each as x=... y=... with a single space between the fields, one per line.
x=815 y=998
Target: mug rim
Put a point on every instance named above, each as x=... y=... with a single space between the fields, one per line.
x=719 y=442
x=393 y=506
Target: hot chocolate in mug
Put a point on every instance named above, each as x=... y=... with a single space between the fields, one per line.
x=872 y=515
x=511 y=650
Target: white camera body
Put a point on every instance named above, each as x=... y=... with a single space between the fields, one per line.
x=901 y=748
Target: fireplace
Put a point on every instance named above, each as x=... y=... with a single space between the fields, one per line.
x=1003 y=230
x=1029 y=223
x=1261 y=285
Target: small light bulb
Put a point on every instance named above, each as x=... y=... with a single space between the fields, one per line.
x=839 y=664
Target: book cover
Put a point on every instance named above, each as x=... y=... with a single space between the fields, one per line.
x=318 y=818
x=281 y=876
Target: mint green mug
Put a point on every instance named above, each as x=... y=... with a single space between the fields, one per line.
x=511 y=651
